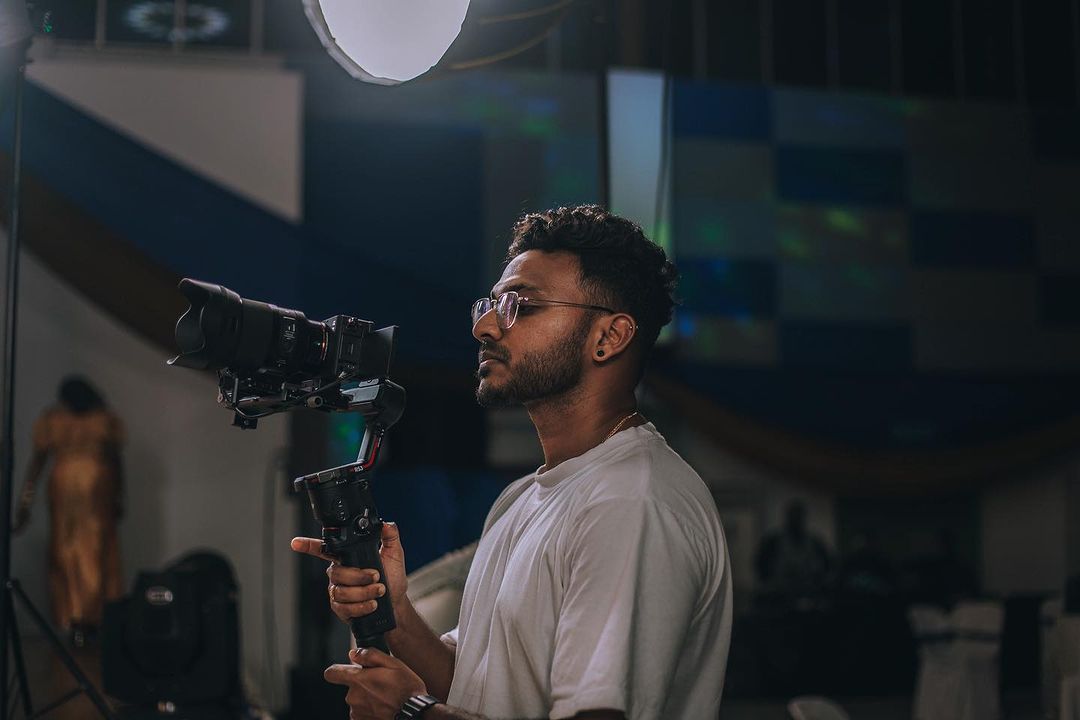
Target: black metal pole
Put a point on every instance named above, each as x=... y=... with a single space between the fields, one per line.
x=17 y=655
x=7 y=389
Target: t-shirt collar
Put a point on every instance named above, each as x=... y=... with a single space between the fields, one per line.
x=572 y=466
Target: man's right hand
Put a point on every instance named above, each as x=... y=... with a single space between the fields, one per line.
x=353 y=591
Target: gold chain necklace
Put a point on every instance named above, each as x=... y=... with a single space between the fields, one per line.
x=619 y=425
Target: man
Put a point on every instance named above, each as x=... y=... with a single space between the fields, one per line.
x=600 y=587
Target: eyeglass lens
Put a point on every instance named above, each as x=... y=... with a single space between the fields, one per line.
x=506 y=307
x=506 y=312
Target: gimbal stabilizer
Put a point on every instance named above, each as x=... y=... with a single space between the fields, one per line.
x=271 y=359
x=344 y=506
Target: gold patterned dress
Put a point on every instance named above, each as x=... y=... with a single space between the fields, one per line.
x=84 y=507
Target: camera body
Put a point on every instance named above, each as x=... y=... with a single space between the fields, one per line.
x=349 y=348
x=271 y=359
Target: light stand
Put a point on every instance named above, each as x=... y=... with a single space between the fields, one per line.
x=15 y=34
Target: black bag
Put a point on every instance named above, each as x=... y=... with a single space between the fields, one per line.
x=176 y=638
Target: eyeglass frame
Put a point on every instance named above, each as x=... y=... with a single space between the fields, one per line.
x=537 y=302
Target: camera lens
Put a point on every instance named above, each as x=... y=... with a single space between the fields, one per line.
x=222 y=329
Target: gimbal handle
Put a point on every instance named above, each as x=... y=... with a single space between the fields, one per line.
x=344 y=505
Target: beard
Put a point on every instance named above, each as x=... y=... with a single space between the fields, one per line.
x=539 y=375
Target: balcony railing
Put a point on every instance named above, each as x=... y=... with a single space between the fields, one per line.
x=169 y=24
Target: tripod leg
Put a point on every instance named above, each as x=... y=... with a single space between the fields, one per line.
x=20 y=663
x=85 y=685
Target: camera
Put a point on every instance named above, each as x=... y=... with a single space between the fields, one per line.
x=272 y=359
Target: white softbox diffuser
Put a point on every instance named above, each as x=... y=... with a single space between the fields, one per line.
x=386 y=41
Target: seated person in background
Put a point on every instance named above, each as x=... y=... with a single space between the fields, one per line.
x=792 y=564
x=601 y=586
x=866 y=572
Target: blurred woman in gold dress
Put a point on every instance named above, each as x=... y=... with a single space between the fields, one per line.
x=83 y=438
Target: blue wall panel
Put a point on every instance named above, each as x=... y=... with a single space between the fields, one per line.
x=840 y=176
x=731 y=112
x=728 y=287
x=972 y=240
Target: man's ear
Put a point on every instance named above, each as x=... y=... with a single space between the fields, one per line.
x=614 y=336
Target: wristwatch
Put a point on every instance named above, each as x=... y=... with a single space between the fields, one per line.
x=415 y=706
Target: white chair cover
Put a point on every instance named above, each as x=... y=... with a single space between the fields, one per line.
x=940 y=676
x=1068 y=654
x=1049 y=669
x=436 y=589
x=810 y=707
x=977 y=627
x=1070 y=698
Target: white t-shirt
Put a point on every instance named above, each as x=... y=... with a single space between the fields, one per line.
x=603 y=583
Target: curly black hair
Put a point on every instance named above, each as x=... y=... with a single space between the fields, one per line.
x=620 y=267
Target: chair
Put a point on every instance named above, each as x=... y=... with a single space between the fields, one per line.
x=937 y=685
x=809 y=707
x=436 y=589
x=977 y=646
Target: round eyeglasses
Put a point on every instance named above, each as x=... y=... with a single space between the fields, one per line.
x=506 y=307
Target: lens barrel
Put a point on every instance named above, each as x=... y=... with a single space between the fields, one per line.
x=222 y=329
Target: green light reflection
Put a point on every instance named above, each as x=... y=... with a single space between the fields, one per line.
x=793 y=245
x=845 y=221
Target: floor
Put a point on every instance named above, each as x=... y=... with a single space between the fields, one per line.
x=49 y=680
x=1015 y=706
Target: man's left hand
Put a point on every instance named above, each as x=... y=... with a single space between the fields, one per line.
x=378 y=684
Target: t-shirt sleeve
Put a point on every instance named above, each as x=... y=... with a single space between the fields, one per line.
x=450 y=637
x=632 y=584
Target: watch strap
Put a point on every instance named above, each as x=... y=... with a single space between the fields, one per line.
x=415 y=706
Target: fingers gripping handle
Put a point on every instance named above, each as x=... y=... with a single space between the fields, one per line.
x=344 y=506
x=369 y=629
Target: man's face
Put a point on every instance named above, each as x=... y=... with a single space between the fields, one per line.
x=543 y=354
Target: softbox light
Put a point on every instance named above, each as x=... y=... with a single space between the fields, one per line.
x=386 y=42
